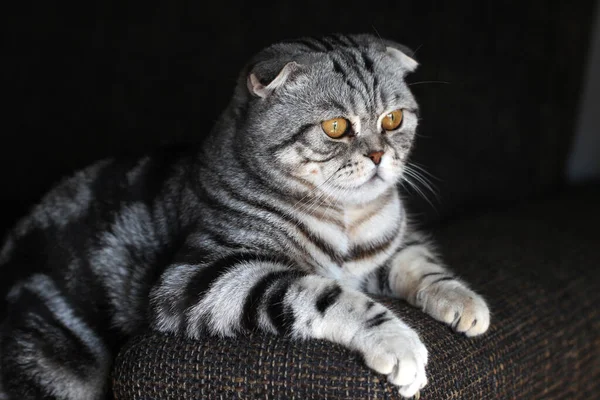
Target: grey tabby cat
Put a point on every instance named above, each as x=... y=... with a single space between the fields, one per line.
x=284 y=221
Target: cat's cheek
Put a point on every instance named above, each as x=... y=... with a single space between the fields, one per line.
x=310 y=171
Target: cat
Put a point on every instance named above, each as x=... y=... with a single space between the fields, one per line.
x=285 y=220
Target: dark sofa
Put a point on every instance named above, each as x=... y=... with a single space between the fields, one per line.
x=536 y=264
x=498 y=86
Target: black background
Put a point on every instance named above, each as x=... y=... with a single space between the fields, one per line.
x=82 y=82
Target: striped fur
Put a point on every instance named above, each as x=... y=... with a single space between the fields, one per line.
x=270 y=225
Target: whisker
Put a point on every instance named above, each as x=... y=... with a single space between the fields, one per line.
x=418 y=48
x=317 y=201
x=377 y=32
x=342 y=195
x=422 y=169
x=412 y=185
x=421 y=179
x=332 y=204
x=422 y=82
x=337 y=200
x=316 y=188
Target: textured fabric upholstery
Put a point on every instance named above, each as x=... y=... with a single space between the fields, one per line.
x=539 y=267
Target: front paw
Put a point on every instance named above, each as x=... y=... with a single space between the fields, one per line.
x=458 y=306
x=395 y=350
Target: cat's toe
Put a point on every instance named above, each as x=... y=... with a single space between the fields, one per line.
x=411 y=376
x=383 y=363
x=461 y=308
x=475 y=318
x=405 y=371
x=402 y=357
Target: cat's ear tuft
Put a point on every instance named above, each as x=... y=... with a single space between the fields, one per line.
x=257 y=88
x=408 y=63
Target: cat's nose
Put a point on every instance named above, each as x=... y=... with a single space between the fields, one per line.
x=375 y=156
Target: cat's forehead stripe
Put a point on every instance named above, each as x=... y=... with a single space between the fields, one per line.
x=353 y=71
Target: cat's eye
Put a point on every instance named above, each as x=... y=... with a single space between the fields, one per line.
x=335 y=128
x=392 y=120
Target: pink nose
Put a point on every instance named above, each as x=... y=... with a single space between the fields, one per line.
x=375 y=156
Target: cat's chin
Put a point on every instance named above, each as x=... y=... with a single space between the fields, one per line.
x=364 y=193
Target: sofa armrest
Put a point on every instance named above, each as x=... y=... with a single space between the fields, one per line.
x=537 y=268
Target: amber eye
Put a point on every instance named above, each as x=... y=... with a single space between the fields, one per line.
x=392 y=120
x=335 y=128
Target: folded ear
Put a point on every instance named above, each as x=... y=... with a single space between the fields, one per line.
x=399 y=52
x=261 y=73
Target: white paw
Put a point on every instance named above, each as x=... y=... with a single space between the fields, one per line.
x=395 y=350
x=458 y=306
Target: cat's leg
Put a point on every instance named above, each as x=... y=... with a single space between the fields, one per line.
x=416 y=274
x=245 y=292
x=48 y=352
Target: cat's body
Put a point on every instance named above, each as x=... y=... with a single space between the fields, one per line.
x=272 y=225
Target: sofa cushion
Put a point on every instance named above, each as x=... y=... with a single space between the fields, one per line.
x=538 y=266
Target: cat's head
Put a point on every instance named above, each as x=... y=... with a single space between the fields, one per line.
x=330 y=116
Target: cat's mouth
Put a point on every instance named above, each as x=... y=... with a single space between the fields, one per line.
x=376 y=179
x=373 y=180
